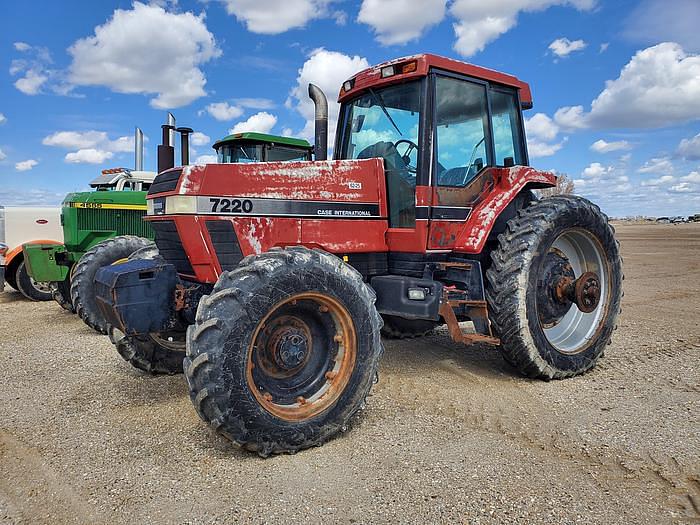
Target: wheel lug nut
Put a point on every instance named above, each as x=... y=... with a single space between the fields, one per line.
x=338 y=338
x=301 y=400
x=323 y=309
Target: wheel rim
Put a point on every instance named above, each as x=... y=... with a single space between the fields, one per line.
x=175 y=341
x=302 y=356
x=569 y=327
x=40 y=286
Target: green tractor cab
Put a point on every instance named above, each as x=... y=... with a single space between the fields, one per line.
x=117 y=204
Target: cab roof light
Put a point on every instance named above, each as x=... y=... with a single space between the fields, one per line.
x=348 y=85
x=388 y=71
x=409 y=67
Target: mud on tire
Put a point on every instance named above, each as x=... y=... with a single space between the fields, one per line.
x=516 y=278
x=82 y=285
x=60 y=291
x=227 y=359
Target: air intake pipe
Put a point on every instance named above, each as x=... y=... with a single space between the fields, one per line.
x=166 y=151
x=184 y=144
x=138 y=150
x=320 y=121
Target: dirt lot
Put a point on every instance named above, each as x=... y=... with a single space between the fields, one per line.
x=450 y=434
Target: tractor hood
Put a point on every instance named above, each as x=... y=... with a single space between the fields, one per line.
x=106 y=199
x=339 y=188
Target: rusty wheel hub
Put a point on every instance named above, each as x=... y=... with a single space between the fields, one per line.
x=587 y=292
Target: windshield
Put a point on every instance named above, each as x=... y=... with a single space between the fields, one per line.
x=229 y=153
x=383 y=123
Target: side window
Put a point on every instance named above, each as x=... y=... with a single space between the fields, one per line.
x=279 y=153
x=507 y=137
x=462 y=130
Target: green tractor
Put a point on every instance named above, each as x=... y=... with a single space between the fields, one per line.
x=105 y=226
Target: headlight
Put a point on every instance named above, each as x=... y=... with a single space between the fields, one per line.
x=180 y=204
x=149 y=207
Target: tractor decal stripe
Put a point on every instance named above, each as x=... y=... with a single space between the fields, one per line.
x=443 y=213
x=103 y=206
x=243 y=206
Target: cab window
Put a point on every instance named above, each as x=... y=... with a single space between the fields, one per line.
x=280 y=153
x=462 y=130
x=507 y=138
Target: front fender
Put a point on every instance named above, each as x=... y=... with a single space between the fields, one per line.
x=509 y=182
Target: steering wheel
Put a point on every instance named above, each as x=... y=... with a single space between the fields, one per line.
x=406 y=157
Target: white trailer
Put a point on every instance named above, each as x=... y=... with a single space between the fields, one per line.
x=19 y=225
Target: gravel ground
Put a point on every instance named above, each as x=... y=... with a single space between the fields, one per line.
x=450 y=434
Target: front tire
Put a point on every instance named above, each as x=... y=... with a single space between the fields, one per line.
x=82 y=289
x=550 y=328
x=60 y=291
x=284 y=351
x=28 y=287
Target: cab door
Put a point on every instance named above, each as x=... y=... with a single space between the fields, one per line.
x=476 y=127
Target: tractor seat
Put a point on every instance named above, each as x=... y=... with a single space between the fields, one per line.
x=393 y=162
x=455 y=176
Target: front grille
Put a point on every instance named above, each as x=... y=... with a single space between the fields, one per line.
x=122 y=222
x=166 y=181
x=225 y=242
x=170 y=247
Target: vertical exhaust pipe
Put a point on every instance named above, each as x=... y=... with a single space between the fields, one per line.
x=166 y=151
x=184 y=144
x=138 y=150
x=320 y=122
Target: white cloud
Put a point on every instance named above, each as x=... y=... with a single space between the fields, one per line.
x=223 y=111
x=262 y=122
x=541 y=131
x=400 y=21
x=75 y=139
x=22 y=46
x=684 y=187
x=88 y=156
x=271 y=17
x=94 y=147
x=3 y=156
x=480 y=23
x=693 y=176
x=656 y=166
x=661 y=181
x=26 y=165
x=689 y=149
x=30 y=197
x=199 y=139
x=595 y=170
x=3 y=118
x=658 y=87
x=126 y=55
x=31 y=82
x=255 y=103
x=602 y=146
x=655 y=21
x=328 y=70
x=604 y=47
x=563 y=47
x=206 y=159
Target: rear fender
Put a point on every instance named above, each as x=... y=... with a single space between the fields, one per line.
x=509 y=182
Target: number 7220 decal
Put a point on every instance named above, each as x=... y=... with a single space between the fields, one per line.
x=231 y=205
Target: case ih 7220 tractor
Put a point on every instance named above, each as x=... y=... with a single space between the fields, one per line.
x=271 y=280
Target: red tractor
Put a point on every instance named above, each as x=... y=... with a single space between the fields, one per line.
x=273 y=281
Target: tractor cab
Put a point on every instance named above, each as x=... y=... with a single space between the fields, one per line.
x=261 y=147
x=436 y=123
x=123 y=179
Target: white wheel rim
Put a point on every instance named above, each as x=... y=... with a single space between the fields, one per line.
x=573 y=332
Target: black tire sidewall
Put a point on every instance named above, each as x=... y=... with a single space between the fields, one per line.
x=25 y=286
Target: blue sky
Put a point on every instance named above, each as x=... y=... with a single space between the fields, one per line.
x=616 y=84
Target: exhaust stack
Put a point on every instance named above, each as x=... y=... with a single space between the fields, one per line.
x=184 y=144
x=320 y=121
x=166 y=151
x=138 y=150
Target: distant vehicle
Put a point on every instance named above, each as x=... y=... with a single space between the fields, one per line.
x=18 y=225
x=694 y=218
x=678 y=219
x=663 y=220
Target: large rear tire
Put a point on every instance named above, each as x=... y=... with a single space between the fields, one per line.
x=82 y=291
x=28 y=287
x=552 y=261
x=284 y=351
